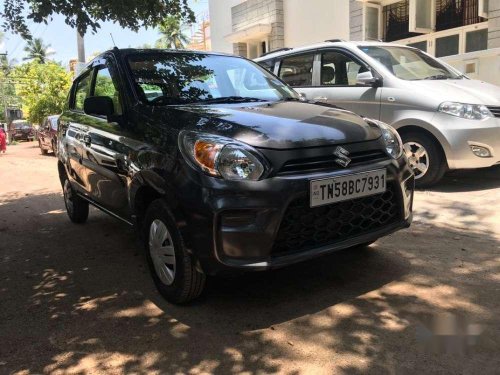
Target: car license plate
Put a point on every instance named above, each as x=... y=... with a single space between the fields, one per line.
x=338 y=189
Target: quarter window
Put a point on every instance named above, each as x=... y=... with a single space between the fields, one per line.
x=297 y=70
x=338 y=69
x=104 y=86
x=82 y=91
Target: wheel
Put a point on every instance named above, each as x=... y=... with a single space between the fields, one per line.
x=173 y=269
x=76 y=207
x=425 y=158
x=42 y=150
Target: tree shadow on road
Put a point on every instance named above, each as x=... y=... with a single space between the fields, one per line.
x=79 y=299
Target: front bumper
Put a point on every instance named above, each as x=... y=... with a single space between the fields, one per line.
x=238 y=224
x=461 y=134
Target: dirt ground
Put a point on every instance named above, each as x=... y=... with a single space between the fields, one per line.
x=79 y=299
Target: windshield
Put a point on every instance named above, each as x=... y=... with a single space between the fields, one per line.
x=179 y=78
x=409 y=64
x=53 y=122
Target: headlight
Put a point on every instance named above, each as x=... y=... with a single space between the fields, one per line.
x=467 y=111
x=222 y=157
x=392 y=140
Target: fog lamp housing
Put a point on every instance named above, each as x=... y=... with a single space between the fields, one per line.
x=480 y=151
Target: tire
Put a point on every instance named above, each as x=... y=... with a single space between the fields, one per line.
x=76 y=207
x=173 y=270
x=435 y=160
x=42 y=150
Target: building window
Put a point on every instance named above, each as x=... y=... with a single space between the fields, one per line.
x=476 y=40
x=420 y=45
x=447 y=45
x=449 y=14
x=456 y=13
x=397 y=21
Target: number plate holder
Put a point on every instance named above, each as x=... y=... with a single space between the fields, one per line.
x=337 y=189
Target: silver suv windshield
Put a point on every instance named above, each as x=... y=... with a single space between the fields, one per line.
x=181 y=78
x=409 y=64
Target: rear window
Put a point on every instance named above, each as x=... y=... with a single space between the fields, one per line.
x=297 y=71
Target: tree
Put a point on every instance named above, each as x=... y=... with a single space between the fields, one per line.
x=171 y=35
x=37 y=51
x=42 y=87
x=131 y=14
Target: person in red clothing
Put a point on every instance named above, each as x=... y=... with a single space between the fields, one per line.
x=3 y=141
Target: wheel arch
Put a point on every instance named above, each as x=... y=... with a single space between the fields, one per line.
x=148 y=186
x=436 y=136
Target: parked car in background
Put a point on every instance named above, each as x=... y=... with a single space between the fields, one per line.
x=21 y=130
x=47 y=135
x=224 y=168
x=446 y=120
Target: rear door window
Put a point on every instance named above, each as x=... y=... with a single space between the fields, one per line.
x=297 y=71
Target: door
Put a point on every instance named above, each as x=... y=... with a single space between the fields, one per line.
x=73 y=128
x=104 y=147
x=337 y=74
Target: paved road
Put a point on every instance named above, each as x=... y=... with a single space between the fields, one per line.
x=78 y=299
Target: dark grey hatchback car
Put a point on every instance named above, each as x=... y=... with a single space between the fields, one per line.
x=222 y=167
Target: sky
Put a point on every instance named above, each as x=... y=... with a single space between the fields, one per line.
x=62 y=38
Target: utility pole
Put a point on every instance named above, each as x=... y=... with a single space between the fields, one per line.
x=81 y=47
x=4 y=94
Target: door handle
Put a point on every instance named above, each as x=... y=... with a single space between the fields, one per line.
x=321 y=98
x=87 y=140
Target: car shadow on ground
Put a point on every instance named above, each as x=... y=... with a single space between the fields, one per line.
x=78 y=298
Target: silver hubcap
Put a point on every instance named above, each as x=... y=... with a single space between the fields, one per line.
x=418 y=158
x=161 y=248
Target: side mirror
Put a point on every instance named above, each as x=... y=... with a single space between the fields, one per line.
x=303 y=96
x=99 y=106
x=367 y=79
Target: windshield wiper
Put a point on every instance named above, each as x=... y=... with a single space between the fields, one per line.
x=437 y=76
x=231 y=99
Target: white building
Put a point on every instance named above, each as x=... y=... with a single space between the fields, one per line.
x=464 y=33
x=253 y=27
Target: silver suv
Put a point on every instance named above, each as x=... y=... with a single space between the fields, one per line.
x=446 y=120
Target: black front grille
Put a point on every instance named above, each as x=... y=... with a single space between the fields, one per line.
x=494 y=110
x=327 y=162
x=304 y=228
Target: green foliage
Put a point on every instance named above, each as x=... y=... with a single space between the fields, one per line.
x=171 y=35
x=36 y=50
x=43 y=88
x=131 y=14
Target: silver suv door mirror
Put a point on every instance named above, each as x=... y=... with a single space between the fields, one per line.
x=367 y=79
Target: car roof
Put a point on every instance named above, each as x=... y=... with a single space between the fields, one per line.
x=123 y=52
x=353 y=44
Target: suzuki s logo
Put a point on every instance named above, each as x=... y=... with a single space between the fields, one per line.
x=342 y=156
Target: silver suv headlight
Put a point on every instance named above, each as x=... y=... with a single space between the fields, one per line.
x=222 y=157
x=467 y=111
x=392 y=140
